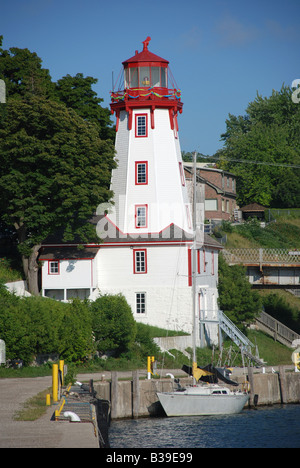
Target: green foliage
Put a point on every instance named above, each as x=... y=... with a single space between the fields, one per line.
x=268 y=134
x=35 y=325
x=55 y=155
x=279 y=308
x=236 y=298
x=113 y=324
x=76 y=92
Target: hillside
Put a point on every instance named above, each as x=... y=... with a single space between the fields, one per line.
x=282 y=233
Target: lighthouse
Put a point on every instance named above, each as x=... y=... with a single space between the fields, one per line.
x=147 y=233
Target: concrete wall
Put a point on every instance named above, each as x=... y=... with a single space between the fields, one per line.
x=137 y=398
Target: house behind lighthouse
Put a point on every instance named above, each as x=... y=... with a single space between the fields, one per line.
x=147 y=232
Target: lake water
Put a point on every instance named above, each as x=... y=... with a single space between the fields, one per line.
x=265 y=427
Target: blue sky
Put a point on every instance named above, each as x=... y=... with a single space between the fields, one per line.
x=221 y=52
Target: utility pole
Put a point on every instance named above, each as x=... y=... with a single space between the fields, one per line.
x=2 y=92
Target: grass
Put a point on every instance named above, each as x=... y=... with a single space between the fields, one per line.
x=34 y=408
x=282 y=234
x=9 y=271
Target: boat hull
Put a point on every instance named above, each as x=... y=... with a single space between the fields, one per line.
x=182 y=404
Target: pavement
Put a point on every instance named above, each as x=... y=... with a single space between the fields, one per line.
x=44 y=432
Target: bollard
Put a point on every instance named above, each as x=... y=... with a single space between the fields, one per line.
x=61 y=368
x=48 y=399
x=55 y=382
x=150 y=361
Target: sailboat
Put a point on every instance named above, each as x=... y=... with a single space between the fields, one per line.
x=201 y=398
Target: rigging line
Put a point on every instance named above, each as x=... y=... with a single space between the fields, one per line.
x=244 y=161
x=172 y=299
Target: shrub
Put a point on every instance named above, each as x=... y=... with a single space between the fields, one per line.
x=113 y=324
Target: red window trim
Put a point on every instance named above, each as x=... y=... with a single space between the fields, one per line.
x=181 y=174
x=136 y=172
x=134 y=262
x=136 y=125
x=146 y=216
x=49 y=269
x=190 y=273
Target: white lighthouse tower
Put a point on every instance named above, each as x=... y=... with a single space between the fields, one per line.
x=149 y=183
x=148 y=234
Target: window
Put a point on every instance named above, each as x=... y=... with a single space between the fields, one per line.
x=141 y=173
x=140 y=261
x=140 y=303
x=211 y=205
x=141 y=216
x=141 y=125
x=53 y=267
x=181 y=174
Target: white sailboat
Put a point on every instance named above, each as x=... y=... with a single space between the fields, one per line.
x=201 y=399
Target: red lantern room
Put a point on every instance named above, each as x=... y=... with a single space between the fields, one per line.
x=146 y=85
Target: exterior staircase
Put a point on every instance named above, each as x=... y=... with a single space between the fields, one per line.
x=233 y=332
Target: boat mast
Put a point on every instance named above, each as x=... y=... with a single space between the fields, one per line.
x=194 y=262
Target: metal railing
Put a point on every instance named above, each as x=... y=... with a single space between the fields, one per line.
x=262 y=256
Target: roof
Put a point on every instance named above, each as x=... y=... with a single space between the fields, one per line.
x=171 y=233
x=253 y=207
x=110 y=234
x=145 y=55
x=67 y=253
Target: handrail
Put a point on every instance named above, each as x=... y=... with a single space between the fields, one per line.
x=278 y=329
x=223 y=319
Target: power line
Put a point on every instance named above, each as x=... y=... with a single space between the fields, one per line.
x=243 y=161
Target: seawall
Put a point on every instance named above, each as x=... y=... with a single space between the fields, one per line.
x=137 y=397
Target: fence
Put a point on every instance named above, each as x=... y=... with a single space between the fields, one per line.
x=262 y=256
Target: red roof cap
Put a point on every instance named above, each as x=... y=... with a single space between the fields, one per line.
x=145 y=55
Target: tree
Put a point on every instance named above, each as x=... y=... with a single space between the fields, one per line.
x=76 y=92
x=54 y=171
x=113 y=324
x=236 y=298
x=267 y=144
x=23 y=74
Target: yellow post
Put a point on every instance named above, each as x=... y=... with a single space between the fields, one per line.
x=55 y=382
x=61 y=368
x=149 y=367
x=48 y=399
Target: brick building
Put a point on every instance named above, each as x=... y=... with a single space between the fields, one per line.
x=220 y=191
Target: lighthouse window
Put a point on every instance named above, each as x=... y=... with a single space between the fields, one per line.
x=141 y=125
x=140 y=303
x=141 y=216
x=155 y=81
x=134 y=81
x=141 y=173
x=140 y=261
x=145 y=76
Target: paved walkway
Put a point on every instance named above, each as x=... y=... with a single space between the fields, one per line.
x=42 y=433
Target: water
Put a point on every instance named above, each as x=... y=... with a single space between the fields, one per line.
x=264 y=427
